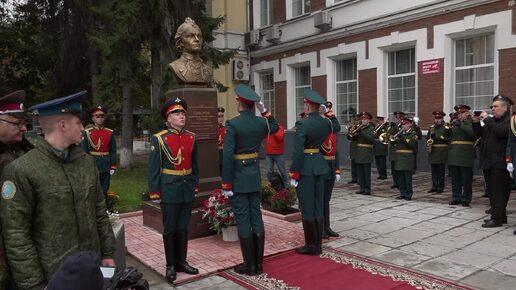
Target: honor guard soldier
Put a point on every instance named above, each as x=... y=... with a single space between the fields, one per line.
x=364 y=154
x=331 y=155
x=381 y=147
x=173 y=177
x=99 y=142
x=241 y=174
x=406 y=142
x=309 y=168
x=221 y=133
x=52 y=203
x=437 y=147
x=461 y=156
x=12 y=145
x=393 y=130
x=353 y=147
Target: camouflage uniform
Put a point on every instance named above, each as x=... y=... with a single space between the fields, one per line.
x=52 y=206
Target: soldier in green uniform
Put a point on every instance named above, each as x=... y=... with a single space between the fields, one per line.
x=52 y=202
x=406 y=142
x=395 y=127
x=381 y=148
x=461 y=156
x=99 y=142
x=173 y=177
x=364 y=154
x=12 y=145
x=241 y=174
x=353 y=148
x=437 y=147
x=309 y=168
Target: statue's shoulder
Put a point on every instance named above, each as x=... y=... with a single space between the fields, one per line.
x=178 y=66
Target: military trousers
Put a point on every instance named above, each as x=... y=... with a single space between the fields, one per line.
x=462 y=183
x=438 y=171
x=364 y=176
x=105 y=179
x=310 y=192
x=394 y=174
x=354 y=175
x=405 y=183
x=500 y=181
x=381 y=166
x=487 y=182
x=328 y=189
x=176 y=217
x=246 y=207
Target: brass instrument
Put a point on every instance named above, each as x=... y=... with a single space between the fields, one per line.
x=395 y=136
x=353 y=132
x=384 y=138
x=430 y=141
x=447 y=126
x=379 y=128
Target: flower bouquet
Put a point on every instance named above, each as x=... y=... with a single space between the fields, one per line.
x=217 y=211
x=282 y=199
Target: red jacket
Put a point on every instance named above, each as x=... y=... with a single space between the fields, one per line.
x=275 y=144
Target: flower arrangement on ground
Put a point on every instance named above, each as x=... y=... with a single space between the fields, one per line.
x=283 y=199
x=111 y=201
x=217 y=211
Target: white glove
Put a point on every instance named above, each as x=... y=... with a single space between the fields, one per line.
x=337 y=177
x=323 y=109
x=260 y=106
x=510 y=168
x=227 y=193
x=111 y=171
x=293 y=182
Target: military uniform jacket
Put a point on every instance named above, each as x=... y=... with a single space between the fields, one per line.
x=365 y=140
x=441 y=137
x=395 y=128
x=51 y=209
x=240 y=164
x=310 y=134
x=101 y=144
x=331 y=155
x=406 y=143
x=460 y=150
x=379 y=148
x=9 y=153
x=173 y=171
x=494 y=135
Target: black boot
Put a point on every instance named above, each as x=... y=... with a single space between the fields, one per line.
x=318 y=239
x=168 y=243
x=329 y=232
x=182 y=248
x=310 y=247
x=248 y=254
x=259 y=245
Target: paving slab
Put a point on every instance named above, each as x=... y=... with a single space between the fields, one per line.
x=487 y=248
x=401 y=258
x=365 y=249
x=475 y=259
x=446 y=268
x=426 y=249
x=487 y=280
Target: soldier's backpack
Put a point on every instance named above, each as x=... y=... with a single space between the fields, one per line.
x=128 y=278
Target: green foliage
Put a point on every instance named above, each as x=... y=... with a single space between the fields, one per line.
x=129 y=185
x=152 y=122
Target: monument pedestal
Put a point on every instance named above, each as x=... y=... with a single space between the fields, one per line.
x=201 y=119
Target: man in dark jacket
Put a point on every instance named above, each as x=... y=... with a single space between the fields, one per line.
x=494 y=135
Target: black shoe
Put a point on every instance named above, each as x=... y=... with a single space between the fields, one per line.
x=465 y=204
x=327 y=230
x=408 y=198
x=514 y=232
x=383 y=177
x=259 y=246
x=170 y=274
x=359 y=192
x=325 y=235
x=352 y=181
x=248 y=255
x=186 y=268
x=454 y=202
x=379 y=177
x=170 y=257
x=432 y=190
x=181 y=240
x=395 y=186
x=400 y=197
x=310 y=231
x=488 y=211
x=439 y=191
x=504 y=221
x=485 y=195
x=492 y=224
x=367 y=192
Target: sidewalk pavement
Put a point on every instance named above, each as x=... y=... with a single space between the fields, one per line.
x=425 y=234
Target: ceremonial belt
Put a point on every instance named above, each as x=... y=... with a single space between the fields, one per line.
x=365 y=145
x=404 y=151
x=311 y=150
x=96 y=153
x=329 y=157
x=244 y=156
x=181 y=172
x=440 y=145
x=462 y=142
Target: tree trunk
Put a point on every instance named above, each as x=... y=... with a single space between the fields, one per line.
x=126 y=152
x=94 y=72
x=156 y=75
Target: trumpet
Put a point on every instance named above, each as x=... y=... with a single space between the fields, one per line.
x=353 y=132
x=394 y=137
x=379 y=128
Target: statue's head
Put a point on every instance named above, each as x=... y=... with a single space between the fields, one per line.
x=189 y=37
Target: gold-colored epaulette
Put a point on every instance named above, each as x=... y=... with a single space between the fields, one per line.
x=190 y=132
x=110 y=130
x=89 y=129
x=160 y=133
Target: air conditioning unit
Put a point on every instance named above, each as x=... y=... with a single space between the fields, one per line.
x=240 y=70
x=252 y=38
x=273 y=33
x=322 y=19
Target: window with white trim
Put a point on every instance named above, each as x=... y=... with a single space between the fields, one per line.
x=474 y=71
x=401 y=81
x=267 y=89
x=346 y=89
x=265 y=12
x=302 y=82
x=300 y=7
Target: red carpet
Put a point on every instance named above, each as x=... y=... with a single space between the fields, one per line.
x=336 y=270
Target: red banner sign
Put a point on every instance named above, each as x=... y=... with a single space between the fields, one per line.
x=431 y=67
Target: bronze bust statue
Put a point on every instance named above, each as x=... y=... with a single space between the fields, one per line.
x=190 y=69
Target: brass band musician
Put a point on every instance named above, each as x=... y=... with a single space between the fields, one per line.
x=381 y=146
x=394 y=128
x=437 y=147
x=364 y=138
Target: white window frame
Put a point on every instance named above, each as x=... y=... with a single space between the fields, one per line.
x=388 y=77
x=336 y=103
x=298 y=99
x=268 y=94
x=290 y=9
x=493 y=65
x=257 y=13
